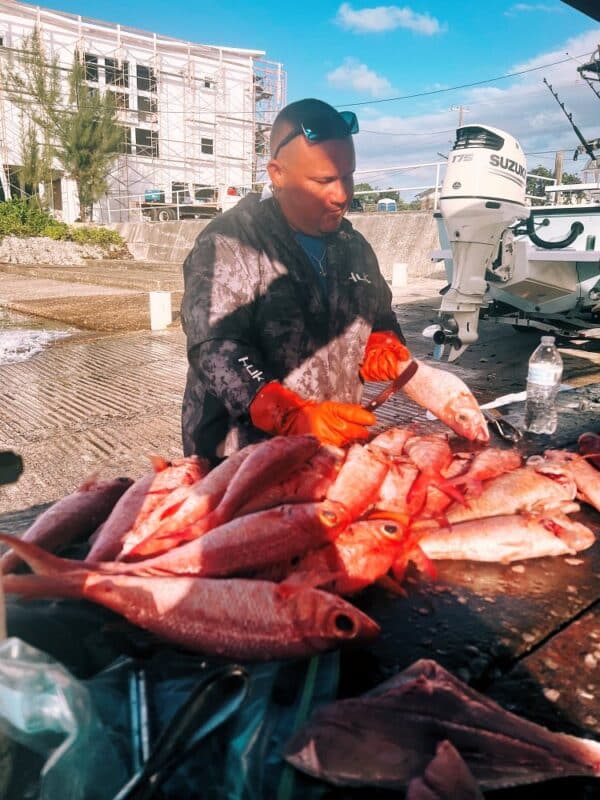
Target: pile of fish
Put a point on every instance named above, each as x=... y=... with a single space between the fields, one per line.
x=426 y=730
x=251 y=559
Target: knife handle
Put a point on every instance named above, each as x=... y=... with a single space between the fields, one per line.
x=393 y=387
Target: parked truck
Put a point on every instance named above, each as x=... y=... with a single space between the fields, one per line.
x=189 y=202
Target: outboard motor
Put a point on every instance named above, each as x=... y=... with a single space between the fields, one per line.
x=483 y=193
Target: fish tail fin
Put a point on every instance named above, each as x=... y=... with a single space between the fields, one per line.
x=30 y=586
x=39 y=560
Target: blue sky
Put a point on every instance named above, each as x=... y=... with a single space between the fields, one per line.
x=363 y=52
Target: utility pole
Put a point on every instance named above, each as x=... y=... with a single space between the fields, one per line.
x=558 y=166
x=461 y=110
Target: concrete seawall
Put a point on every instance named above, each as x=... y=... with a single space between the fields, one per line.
x=407 y=237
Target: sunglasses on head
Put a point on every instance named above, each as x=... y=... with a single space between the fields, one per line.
x=320 y=131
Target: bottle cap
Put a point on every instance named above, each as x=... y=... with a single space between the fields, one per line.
x=548 y=339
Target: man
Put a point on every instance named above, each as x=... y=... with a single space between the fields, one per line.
x=285 y=309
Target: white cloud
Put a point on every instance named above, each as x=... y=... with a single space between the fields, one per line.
x=522 y=106
x=386 y=18
x=354 y=75
x=520 y=8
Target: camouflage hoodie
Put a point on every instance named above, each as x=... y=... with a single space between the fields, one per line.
x=253 y=312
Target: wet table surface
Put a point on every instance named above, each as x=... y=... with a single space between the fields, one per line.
x=527 y=634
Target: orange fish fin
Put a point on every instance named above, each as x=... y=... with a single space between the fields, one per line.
x=159 y=463
x=417 y=494
x=423 y=562
x=448 y=489
x=471 y=486
x=154 y=546
x=298 y=581
x=392 y=585
x=89 y=483
x=41 y=561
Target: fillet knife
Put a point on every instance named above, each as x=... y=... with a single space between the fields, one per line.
x=393 y=387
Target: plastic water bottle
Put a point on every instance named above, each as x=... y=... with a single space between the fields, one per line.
x=543 y=380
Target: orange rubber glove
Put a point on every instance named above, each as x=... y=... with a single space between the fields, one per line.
x=278 y=410
x=383 y=354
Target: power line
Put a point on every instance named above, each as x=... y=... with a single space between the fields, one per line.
x=463 y=85
x=386 y=133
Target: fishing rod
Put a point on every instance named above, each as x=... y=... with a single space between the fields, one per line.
x=569 y=116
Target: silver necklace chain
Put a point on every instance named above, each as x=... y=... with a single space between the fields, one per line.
x=320 y=263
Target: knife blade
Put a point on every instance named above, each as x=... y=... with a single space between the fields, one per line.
x=393 y=387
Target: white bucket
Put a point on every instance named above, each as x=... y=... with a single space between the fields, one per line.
x=399 y=275
x=161 y=314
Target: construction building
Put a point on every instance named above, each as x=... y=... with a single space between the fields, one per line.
x=196 y=117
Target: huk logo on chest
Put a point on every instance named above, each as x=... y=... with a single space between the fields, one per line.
x=254 y=373
x=358 y=278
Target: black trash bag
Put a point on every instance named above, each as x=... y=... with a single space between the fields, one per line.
x=241 y=760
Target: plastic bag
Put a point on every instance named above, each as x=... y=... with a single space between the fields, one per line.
x=240 y=761
x=45 y=709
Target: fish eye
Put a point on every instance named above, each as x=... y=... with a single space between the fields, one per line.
x=344 y=624
x=389 y=528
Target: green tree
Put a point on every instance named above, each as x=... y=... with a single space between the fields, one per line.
x=83 y=134
x=89 y=138
x=393 y=195
x=537 y=187
x=365 y=198
x=569 y=178
x=36 y=164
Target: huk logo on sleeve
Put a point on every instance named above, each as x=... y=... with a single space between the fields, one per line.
x=255 y=374
x=358 y=278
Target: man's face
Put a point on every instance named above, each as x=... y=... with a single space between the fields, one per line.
x=314 y=183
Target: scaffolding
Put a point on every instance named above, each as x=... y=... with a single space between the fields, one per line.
x=196 y=117
x=270 y=90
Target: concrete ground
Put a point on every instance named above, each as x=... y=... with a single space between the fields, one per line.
x=106 y=398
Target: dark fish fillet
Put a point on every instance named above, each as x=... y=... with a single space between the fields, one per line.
x=388 y=737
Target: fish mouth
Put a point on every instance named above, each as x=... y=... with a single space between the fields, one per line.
x=471 y=424
x=333 y=514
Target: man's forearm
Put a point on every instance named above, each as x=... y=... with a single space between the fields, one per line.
x=231 y=371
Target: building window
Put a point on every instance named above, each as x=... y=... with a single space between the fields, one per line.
x=146 y=106
x=209 y=83
x=179 y=192
x=146 y=79
x=207 y=146
x=146 y=142
x=115 y=74
x=121 y=99
x=90 y=63
x=57 y=200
